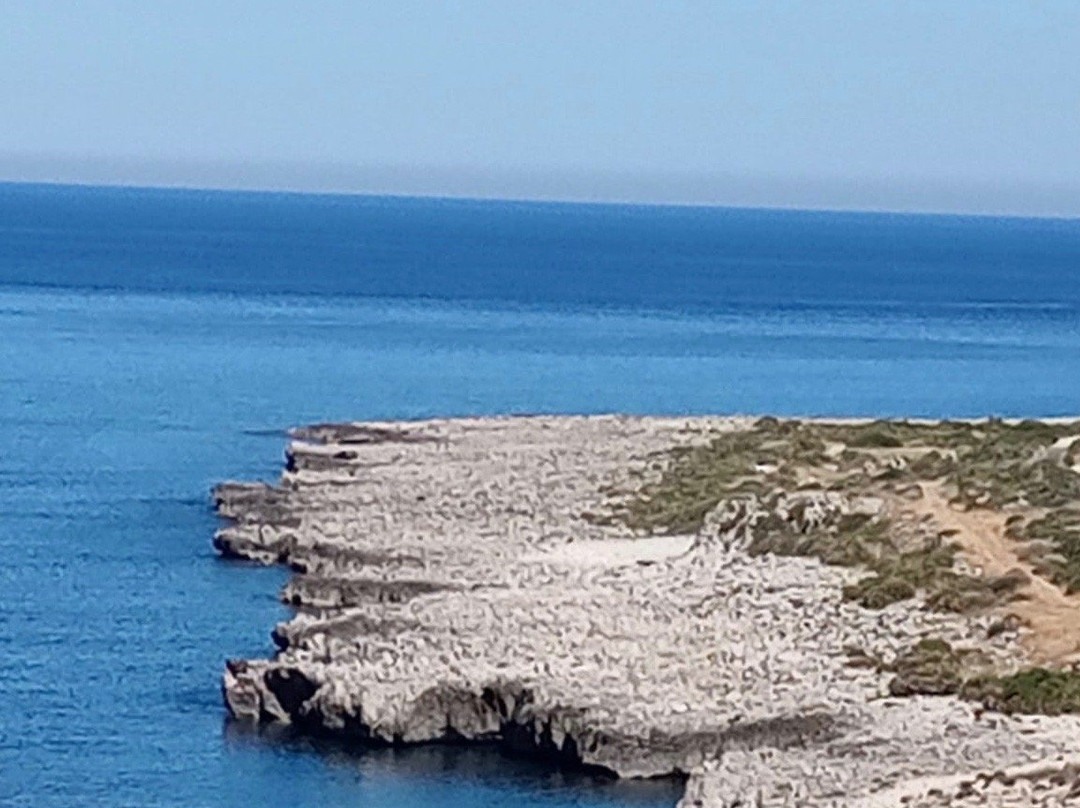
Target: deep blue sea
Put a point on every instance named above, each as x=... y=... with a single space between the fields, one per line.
x=154 y=342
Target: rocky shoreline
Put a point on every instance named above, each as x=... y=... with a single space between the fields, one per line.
x=453 y=584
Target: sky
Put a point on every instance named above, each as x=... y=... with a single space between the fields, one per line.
x=964 y=105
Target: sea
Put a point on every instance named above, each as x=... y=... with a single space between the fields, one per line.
x=154 y=342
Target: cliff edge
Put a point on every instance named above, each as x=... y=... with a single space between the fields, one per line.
x=530 y=582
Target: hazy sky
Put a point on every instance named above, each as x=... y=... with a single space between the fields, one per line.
x=912 y=104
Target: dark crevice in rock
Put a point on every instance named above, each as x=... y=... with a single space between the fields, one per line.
x=291 y=689
x=253 y=502
x=338 y=593
x=259 y=543
x=358 y=434
x=352 y=626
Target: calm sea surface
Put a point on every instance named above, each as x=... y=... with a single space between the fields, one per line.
x=154 y=342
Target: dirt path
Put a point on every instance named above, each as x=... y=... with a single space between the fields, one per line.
x=1053 y=616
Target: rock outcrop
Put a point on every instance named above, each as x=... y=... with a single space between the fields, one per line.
x=450 y=587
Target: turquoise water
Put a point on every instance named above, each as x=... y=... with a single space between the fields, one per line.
x=153 y=343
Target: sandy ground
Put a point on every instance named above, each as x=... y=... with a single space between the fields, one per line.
x=1052 y=616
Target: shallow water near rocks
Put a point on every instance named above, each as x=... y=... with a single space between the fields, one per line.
x=153 y=343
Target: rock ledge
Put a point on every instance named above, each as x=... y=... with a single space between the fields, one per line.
x=449 y=587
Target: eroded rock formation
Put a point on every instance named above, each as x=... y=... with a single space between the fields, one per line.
x=449 y=587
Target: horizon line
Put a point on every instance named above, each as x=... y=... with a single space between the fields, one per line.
x=540 y=199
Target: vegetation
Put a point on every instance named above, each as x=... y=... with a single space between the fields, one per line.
x=1053 y=542
x=933 y=667
x=1037 y=690
x=1024 y=467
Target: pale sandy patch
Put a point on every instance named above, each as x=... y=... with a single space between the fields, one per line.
x=613 y=552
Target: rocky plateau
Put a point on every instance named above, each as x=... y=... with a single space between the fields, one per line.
x=469 y=581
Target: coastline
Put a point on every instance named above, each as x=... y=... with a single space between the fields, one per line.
x=451 y=586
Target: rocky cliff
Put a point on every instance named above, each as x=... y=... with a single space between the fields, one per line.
x=453 y=583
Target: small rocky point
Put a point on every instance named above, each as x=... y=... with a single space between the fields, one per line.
x=452 y=584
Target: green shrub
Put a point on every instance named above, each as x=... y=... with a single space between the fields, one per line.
x=1037 y=690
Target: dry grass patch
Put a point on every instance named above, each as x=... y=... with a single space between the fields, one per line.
x=1023 y=467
